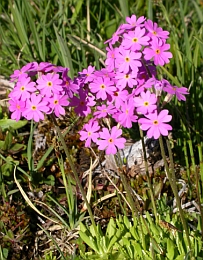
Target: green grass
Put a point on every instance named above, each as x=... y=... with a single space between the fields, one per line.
x=71 y=33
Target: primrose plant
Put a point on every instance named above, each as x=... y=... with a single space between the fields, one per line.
x=127 y=90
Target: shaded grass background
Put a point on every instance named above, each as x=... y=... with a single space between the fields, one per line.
x=71 y=33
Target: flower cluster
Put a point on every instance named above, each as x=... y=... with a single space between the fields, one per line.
x=126 y=91
x=40 y=88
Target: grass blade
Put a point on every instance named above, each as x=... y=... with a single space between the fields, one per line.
x=65 y=53
x=28 y=9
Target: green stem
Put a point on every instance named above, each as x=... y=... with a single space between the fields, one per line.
x=147 y=175
x=61 y=138
x=198 y=181
x=198 y=176
x=172 y=181
x=130 y=199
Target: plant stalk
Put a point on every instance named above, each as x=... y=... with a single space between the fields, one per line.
x=61 y=138
x=172 y=180
x=131 y=201
x=148 y=177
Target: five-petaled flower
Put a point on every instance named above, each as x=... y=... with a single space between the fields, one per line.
x=111 y=140
x=156 y=124
x=90 y=132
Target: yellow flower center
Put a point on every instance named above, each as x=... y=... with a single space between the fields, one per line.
x=102 y=86
x=22 y=88
x=56 y=102
x=110 y=140
x=127 y=59
x=127 y=76
x=135 y=39
x=49 y=83
x=33 y=107
x=18 y=106
x=155 y=33
x=155 y=122
x=146 y=103
x=89 y=133
x=157 y=51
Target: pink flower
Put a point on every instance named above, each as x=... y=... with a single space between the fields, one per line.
x=179 y=92
x=125 y=79
x=90 y=132
x=134 y=40
x=88 y=74
x=34 y=108
x=23 y=88
x=158 y=51
x=49 y=84
x=146 y=103
x=70 y=87
x=127 y=60
x=17 y=107
x=43 y=66
x=82 y=103
x=156 y=124
x=102 y=86
x=110 y=60
x=56 y=102
x=103 y=111
x=105 y=73
x=132 y=22
x=110 y=140
x=22 y=72
x=143 y=74
x=155 y=31
x=119 y=96
x=115 y=36
x=126 y=115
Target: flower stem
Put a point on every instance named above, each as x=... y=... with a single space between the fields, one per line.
x=172 y=181
x=130 y=199
x=147 y=175
x=61 y=138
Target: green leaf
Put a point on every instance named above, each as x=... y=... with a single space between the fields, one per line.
x=138 y=249
x=5 y=252
x=8 y=141
x=111 y=228
x=29 y=148
x=89 y=241
x=7 y=168
x=64 y=53
x=170 y=249
x=16 y=148
x=76 y=11
x=32 y=25
x=12 y=192
x=44 y=157
x=180 y=257
x=50 y=180
x=6 y=123
x=19 y=23
x=124 y=8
